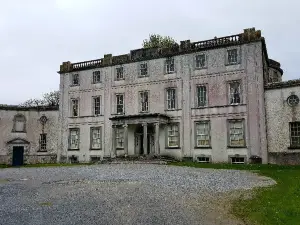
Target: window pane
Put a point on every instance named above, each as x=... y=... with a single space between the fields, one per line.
x=236 y=133
x=173 y=135
x=295 y=134
x=235 y=93
x=200 y=61
x=201 y=95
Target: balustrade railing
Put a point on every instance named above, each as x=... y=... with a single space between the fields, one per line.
x=217 y=41
x=85 y=64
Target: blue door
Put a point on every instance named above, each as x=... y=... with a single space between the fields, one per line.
x=18 y=156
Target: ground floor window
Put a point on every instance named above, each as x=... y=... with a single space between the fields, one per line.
x=295 y=134
x=237 y=160
x=236 y=133
x=173 y=135
x=43 y=142
x=74 y=138
x=96 y=138
x=120 y=137
x=202 y=134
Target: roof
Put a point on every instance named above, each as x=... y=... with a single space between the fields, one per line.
x=283 y=84
x=185 y=47
x=26 y=108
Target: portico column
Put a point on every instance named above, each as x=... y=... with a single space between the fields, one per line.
x=113 y=142
x=145 y=138
x=156 y=139
x=125 y=139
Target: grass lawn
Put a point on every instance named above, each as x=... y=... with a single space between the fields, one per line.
x=279 y=204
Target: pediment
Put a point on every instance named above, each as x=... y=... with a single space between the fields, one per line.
x=18 y=141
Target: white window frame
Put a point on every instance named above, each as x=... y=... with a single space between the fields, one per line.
x=144 y=69
x=170 y=65
x=201 y=99
x=173 y=135
x=73 y=101
x=74 y=138
x=295 y=134
x=119 y=73
x=232 y=59
x=202 y=134
x=199 y=64
x=234 y=100
x=171 y=98
x=43 y=142
x=236 y=132
x=97 y=77
x=119 y=138
x=237 y=160
x=97 y=105
x=96 y=139
x=73 y=76
x=144 y=105
x=119 y=103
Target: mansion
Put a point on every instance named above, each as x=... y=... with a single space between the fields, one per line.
x=219 y=100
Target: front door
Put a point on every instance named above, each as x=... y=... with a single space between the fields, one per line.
x=18 y=156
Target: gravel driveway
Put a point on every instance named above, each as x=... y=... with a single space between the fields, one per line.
x=118 y=194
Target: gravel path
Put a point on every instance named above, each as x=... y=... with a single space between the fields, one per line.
x=118 y=194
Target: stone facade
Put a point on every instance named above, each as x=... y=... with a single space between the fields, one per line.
x=22 y=127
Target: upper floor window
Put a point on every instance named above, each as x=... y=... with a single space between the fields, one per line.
x=234 y=93
x=236 y=133
x=43 y=142
x=120 y=103
x=74 y=138
x=143 y=70
x=171 y=98
x=75 y=79
x=295 y=134
x=95 y=137
x=170 y=66
x=203 y=134
x=97 y=105
x=144 y=101
x=19 y=123
x=96 y=77
x=200 y=61
x=201 y=96
x=173 y=135
x=232 y=56
x=74 y=107
x=120 y=73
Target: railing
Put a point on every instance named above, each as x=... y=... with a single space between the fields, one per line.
x=217 y=41
x=85 y=64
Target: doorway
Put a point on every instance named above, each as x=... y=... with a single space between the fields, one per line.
x=18 y=156
x=139 y=138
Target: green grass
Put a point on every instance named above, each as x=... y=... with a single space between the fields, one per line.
x=278 y=204
x=47 y=165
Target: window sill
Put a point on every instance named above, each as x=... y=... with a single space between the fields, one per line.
x=171 y=72
x=244 y=146
x=232 y=64
x=74 y=85
x=294 y=147
x=119 y=148
x=98 y=83
x=172 y=147
x=118 y=114
x=74 y=117
x=201 y=68
x=144 y=112
x=208 y=147
x=235 y=104
x=71 y=150
x=172 y=109
x=201 y=107
x=98 y=115
x=95 y=149
x=143 y=76
x=120 y=79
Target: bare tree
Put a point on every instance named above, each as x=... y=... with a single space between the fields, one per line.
x=49 y=99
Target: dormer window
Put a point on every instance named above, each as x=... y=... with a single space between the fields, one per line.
x=19 y=123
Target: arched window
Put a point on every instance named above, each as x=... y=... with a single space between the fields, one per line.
x=19 y=123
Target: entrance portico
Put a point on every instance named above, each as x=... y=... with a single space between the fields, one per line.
x=144 y=129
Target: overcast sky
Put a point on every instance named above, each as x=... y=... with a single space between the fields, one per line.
x=36 y=36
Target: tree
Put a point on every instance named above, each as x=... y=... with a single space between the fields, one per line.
x=49 y=99
x=158 y=41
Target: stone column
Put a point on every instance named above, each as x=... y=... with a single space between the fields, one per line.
x=125 y=139
x=145 y=138
x=113 y=142
x=156 y=139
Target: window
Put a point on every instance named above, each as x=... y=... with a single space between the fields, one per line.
x=74 y=107
x=203 y=134
x=95 y=159
x=120 y=137
x=97 y=105
x=237 y=160
x=171 y=98
x=236 y=133
x=74 y=139
x=120 y=73
x=173 y=136
x=234 y=93
x=120 y=103
x=201 y=96
x=95 y=137
x=143 y=69
x=170 y=67
x=203 y=159
x=144 y=101
x=75 y=79
x=295 y=134
x=43 y=142
x=293 y=100
x=19 y=123
x=200 y=61
x=232 y=55
x=96 y=77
